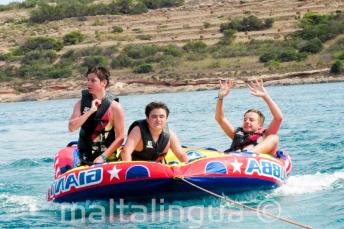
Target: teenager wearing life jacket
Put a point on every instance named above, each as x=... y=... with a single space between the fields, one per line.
x=251 y=136
x=100 y=119
x=149 y=139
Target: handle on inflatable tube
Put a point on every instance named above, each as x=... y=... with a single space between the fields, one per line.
x=72 y=143
x=279 y=154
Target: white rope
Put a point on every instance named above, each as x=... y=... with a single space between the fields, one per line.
x=245 y=206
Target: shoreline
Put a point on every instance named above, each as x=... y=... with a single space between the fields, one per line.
x=70 y=88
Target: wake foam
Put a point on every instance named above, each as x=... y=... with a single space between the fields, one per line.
x=18 y=204
x=11 y=203
x=301 y=184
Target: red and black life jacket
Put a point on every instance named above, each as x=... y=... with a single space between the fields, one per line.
x=95 y=135
x=242 y=139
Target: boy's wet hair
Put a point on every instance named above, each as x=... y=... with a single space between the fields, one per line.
x=156 y=105
x=261 y=117
x=101 y=72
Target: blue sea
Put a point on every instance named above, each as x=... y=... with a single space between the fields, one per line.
x=312 y=132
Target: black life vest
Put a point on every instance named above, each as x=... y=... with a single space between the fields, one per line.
x=97 y=133
x=152 y=151
x=242 y=139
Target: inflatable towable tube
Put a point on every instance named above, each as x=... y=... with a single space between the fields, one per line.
x=141 y=180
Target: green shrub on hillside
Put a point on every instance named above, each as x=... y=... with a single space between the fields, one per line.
x=196 y=50
x=228 y=36
x=155 y=4
x=322 y=26
x=46 y=56
x=59 y=72
x=41 y=43
x=140 y=51
x=42 y=71
x=340 y=55
x=6 y=56
x=144 y=37
x=141 y=55
x=121 y=61
x=196 y=56
x=7 y=73
x=195 y=47
x=282 y=54
x=81 y=8
x=3 y=76
x=138 y=8
x=91 y=51
x=73 y=38
x=251 y=48
x=29 y=3
x=19 y=5
x=131 y=7
x=172 y=50
x=337 y=67
x=268 y=56
x=117 y=29
x=250 y=23
x=268 y=23
x=45 y=12
x=143 y=68
x=168 y=61
x=91 y=61
x=312 y=46
x=206 y=25
x=287 y=54
x=137 y=30
x=109 y=51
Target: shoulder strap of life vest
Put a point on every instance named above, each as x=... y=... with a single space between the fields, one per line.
x=151 y=150
x=242 y=139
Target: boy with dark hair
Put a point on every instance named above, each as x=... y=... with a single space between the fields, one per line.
x=100 y=119
x=150 y=139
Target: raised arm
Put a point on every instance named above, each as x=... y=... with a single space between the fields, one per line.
x=257 y=89
x=226 y=126
x=176 y=148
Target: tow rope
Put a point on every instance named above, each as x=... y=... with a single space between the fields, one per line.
x=243 y=205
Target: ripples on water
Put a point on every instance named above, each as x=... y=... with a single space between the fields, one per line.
x=312 y=132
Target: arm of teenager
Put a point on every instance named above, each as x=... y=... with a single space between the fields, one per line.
x=176 y=148
x=118 y=122
x=131 y=143
x=257 y=89
x=226 y=126
x=77 y=120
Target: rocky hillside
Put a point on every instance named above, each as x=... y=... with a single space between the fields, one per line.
x=196 y=20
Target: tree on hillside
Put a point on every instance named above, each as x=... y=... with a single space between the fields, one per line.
x=250 y=23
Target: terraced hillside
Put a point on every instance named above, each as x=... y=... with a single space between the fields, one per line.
x=195 y=20
x=174 y=24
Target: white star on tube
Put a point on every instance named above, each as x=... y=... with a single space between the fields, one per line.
x=114 y=172
x=236 y=166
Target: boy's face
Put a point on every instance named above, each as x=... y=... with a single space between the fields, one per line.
x=94 y=84
x=157 y=119
x=251 y=122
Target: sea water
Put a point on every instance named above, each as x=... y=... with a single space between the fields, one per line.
x=312 y=132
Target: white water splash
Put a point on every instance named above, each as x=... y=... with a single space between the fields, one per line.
x=17 y=204
x=301 y=184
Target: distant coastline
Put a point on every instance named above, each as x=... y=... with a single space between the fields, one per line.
x=70 y=88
